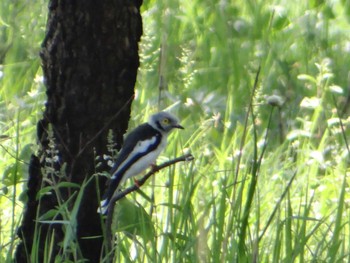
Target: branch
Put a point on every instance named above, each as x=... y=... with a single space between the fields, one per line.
x=121 y=194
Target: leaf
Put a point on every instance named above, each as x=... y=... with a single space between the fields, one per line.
x=18 y=170
x=310 y=103
x=316 y=3
x=12 y=174
x=26 y=152
x=295 y=134
x=132 y=218
x=62 y=222
x=43 y=191
x=328 y=12
x=68 y=185
x=48 y=215
x=336 y=89
x=280 y=22
x=307 y=77
x=280 y=19
x=23 y=197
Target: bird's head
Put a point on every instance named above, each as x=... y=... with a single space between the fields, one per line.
x=164 y=122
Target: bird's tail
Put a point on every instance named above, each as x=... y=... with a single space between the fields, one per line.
x=111 y=190
x=103 y=208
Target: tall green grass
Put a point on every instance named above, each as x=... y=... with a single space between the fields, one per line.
x=269 y=181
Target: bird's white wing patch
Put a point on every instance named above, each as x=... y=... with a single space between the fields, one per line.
x=139 y=148
x=142 y=146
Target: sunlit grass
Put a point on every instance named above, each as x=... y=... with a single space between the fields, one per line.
x=255 y=192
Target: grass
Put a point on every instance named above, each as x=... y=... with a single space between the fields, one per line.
x=269 y=182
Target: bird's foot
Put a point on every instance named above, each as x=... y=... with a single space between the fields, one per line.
x=137 y=183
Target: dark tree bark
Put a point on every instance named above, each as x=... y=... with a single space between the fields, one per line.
x=90 y=61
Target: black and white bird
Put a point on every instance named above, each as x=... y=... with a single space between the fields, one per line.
x=140 y=150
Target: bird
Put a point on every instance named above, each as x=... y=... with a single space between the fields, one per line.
x=140 y=150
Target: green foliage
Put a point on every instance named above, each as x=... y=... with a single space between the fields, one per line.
x=132 y=219
x=269 y=182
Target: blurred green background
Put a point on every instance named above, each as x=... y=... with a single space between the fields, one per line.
x=269 y=182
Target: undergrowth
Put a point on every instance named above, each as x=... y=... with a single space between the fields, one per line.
x=269 y=180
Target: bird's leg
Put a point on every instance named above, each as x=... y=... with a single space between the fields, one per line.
x=153 y=167
x=136 y=182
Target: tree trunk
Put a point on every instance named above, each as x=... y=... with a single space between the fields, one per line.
x=90 y=61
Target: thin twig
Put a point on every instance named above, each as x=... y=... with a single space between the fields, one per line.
x=121 y=194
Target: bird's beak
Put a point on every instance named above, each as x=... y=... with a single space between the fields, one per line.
x=178 y=126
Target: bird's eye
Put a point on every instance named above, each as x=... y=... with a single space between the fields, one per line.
x=165 y=121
